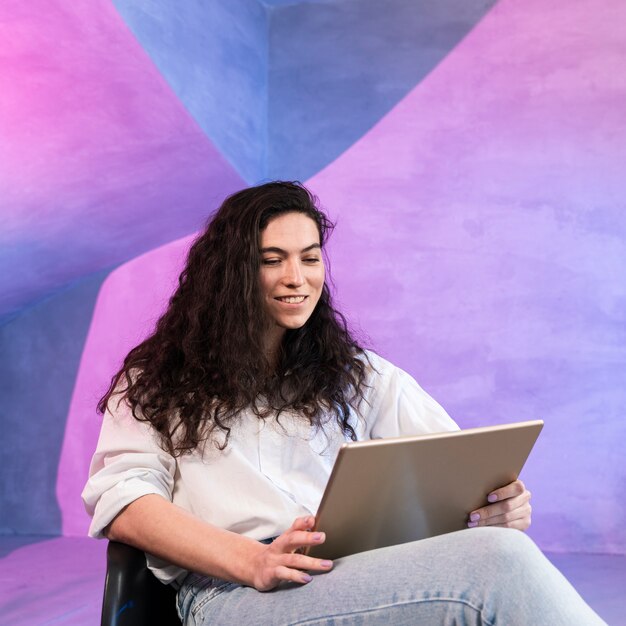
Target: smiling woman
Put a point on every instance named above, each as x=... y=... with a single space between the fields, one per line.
x=292 y=273
x=234 y=327
x=221 y=429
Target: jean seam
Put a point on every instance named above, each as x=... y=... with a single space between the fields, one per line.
x=316 y=620
x=210 y=593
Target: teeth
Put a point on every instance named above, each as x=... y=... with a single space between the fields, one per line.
x=292 y=299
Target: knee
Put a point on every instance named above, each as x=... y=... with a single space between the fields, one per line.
x=506 y=549
x=501 y=538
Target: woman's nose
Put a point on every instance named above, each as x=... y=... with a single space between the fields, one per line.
x=293 y=274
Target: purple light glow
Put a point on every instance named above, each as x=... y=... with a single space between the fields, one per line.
x=99 y=160
x=130 y=301
x=481 y=244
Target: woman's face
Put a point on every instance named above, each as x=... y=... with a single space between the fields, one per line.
x=292 y=271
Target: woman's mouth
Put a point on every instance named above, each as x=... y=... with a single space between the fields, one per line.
x=291 y=299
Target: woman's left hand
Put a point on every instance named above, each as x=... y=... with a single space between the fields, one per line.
x=509 y=508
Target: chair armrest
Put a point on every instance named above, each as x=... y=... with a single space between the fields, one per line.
x=132 y=594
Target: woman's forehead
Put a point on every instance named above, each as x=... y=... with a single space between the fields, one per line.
x=290 y=229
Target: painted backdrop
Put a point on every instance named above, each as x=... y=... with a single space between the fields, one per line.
x=471 y=153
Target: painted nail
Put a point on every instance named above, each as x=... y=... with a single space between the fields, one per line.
x=317 y=536
x=327 y=563
x=474 y=517
x=306 y=578
x=472 y=524
x=492 y=497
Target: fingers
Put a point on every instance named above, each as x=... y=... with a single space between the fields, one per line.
x=283 y=561
x=297 y=561
x=284 y=574
x=501 y=508
x=298 y=541
x=303 y=523
x=299 y=536
x=520 y=515
x=511 y=490
x=510 y=507
x=290 y=567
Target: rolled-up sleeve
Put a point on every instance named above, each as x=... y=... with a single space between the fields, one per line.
x=402 y=407
x=128 y=464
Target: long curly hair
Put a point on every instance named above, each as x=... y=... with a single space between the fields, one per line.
x=205 y=361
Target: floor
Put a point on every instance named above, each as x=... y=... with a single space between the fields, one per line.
x=58 y=581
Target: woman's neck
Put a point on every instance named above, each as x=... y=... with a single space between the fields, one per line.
x=273 y=341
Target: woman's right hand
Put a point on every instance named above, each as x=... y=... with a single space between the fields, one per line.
x=282 y=560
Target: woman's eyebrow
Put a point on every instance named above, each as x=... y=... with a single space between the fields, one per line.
x=284 y=252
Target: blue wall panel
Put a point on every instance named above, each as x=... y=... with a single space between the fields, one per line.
x=40 y=353
x=214 y=56
x=336 y=68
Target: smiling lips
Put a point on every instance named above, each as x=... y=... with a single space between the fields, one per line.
x=291 y=299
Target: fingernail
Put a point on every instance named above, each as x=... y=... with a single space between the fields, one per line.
x=317 y=536
x=306 y=578
x=474 y=517
x=327 y=563
x=492 y=497
x=472 y=524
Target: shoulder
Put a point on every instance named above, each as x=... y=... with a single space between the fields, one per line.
x=379 y=371
x=395 y=404
x=381 y=378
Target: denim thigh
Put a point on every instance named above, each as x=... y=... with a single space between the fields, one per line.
x=481 y=576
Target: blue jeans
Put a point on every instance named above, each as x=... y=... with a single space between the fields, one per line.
x=475 y=576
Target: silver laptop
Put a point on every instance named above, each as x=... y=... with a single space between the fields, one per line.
x=388 y=491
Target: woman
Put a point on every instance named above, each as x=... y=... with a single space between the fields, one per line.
x=220 y=431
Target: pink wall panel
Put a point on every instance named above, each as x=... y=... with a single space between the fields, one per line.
x=129 y=303
x=482 y=246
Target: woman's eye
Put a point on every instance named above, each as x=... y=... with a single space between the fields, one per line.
x=312 y=259
x=271 y=261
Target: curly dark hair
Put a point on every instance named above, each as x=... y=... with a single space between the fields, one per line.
x=205 y=361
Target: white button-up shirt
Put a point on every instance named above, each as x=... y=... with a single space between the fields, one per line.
x=271 y=472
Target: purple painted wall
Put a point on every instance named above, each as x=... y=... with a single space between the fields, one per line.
x=481 y=237
x=482 y=244
x=129 y=301
x=99 y=160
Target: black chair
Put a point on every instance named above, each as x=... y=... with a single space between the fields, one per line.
x=132 y=595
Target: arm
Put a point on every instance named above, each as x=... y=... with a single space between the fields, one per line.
x=129 y=495
x=510 y=508
x=155 y=525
